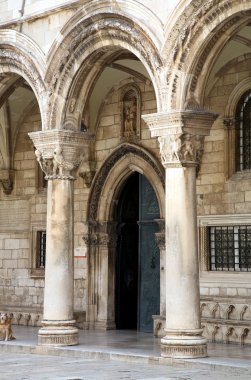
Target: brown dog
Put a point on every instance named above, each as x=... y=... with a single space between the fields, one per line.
x=5 y=326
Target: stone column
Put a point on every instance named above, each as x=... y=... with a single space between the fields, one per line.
x=181 y=138
x=59 y=153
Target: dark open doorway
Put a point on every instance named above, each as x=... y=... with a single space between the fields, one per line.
x=137 y=260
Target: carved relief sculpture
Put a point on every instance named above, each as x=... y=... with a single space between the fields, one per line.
x=178 y=149
x=130 y=111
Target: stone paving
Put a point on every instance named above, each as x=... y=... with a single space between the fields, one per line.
x=43 y=367
x=116 y=355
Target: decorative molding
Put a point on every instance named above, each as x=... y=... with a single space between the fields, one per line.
x=81 y=48
x=184 y=351
x=21 y=64
x=227 y=219
x=200 y=25
x=60 y=152
x=101 y=175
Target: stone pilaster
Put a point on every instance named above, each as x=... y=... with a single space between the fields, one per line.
x=181 y=138
x=59 y=153
x=102 y=240
x=160 y=240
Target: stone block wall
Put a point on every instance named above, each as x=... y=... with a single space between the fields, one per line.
x=222 y=192
x=23 y=212
x=224 y=198
x=108 y=135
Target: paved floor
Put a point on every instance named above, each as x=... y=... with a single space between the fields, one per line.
x=43 y=367
x=116 y=355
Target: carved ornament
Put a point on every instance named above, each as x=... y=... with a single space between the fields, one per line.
x=229 y=122
x=181 y=135
x=100 y=179
x=199 y=22
x=101 y=234
x=60 y=152
x=87 y=176
x=6 y=180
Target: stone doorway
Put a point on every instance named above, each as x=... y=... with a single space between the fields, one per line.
x=137 y=295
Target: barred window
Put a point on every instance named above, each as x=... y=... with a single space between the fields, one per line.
x=41 y=249
x=230 y=248
x=243 y=133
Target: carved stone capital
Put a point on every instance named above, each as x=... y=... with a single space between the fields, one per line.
x=181 y=135
x=101 y=234
x=60 y=152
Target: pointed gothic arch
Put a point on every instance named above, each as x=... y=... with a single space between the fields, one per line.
x=101 y=239
x=119 y=165
x=191 y=54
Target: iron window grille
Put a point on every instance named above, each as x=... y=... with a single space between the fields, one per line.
x=230 y=248
x=243 y=133
x=41 y=249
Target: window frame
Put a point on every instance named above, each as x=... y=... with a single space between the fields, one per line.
x=240 y=130
x=213 y=276
x=225 y=248
x=35 y=271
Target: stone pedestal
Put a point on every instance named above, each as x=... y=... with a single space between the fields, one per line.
x=181 y=138
x=59 y=154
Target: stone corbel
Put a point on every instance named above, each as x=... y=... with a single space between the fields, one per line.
x=87 y=173
x=6 y=180
x=229 y=122
x=181 y=135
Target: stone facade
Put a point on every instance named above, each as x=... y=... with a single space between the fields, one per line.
x=166 y=109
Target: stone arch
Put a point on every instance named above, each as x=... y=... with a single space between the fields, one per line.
x=235 y=96
x=230 y=123
x=102 y=234
x=20 y=55
x=191 y=53
x=126 y=159
x=77 y=61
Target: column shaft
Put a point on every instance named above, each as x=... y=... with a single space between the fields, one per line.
x=58 y=296
x=59 y=154
x=183 y=331
x=181 y=136
x=182 y=275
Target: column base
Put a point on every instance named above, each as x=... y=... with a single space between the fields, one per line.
x=58 y=333
x=188 y=344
